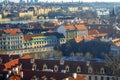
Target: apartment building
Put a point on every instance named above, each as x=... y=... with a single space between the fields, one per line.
x=73 y=31
x=11 y=39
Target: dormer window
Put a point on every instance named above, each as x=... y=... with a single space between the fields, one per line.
x=20 y=66
x=32 y=60
x=34 y=66
x=55 y=68
x=102 y=71
x=0 y=60
x=88 y=63
x=67 y=68
x=61 y=62
x=90 y=69
x=78 y=69
x=44 y=67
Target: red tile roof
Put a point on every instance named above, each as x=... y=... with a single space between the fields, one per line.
x=26 y=57
x=12 y=31
x=101 y=35
x=79 y=39
x=81 y=27
x=93 y=32
x=11 y=63
x=70 y=27
x=28 y=37
x=14 y=62
x=116 y=41
x=78 y=77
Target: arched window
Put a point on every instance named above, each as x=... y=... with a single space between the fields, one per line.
x=44 y=67
x=102 y=71
x=55 y=68
x=67 y=68
x=90 y=69
x=78 y=69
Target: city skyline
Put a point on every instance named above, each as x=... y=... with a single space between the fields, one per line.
x=69 y=0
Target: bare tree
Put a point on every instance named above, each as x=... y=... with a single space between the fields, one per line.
x=113 y=61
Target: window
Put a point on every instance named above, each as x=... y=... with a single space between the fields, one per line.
x=44 y=67
x=102 y=78
x=34 y=66
x=89 y=78
x=61 y=62
x=55 y=68
x=67 y=68
x=102 y=71
x=32 y=60
x=96 y=78
x=78 y=69
x=90 y=70
x=108 y=78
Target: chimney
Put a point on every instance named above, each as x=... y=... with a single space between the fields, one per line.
x=74 y=75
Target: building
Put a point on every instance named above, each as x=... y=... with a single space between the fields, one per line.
x=0 y=16
x=28 y=68
x=11 y=39
x=26 y=14
x=115 y=47
x=73 y=9
x=73 y=31
x=35 y=41
x=102 y=12
x=90 y=70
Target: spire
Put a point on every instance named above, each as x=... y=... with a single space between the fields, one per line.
x=113 y=13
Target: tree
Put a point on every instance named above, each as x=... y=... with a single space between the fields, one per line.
x=80 y=55
x=113 y=62
x=57 y=54
x=88 y=55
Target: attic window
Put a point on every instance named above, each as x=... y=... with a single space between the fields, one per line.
x=88 y=63
x=67 y=68
x=0 y=60
x=90 y=70
x=78 y=69
x=34 y=66
x=55 y=68
x=102 y=71
x=61 y=62
x=44 y=67
x=32 y=60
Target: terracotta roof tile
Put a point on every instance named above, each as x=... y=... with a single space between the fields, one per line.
x=79 y=39
x=11 y=63
x=116 y=41
x=101 y=35
x=28 y=37
x=93 y=32
x=81 y=27
x=26 y=57
x=12 y=31
x=70 y=27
